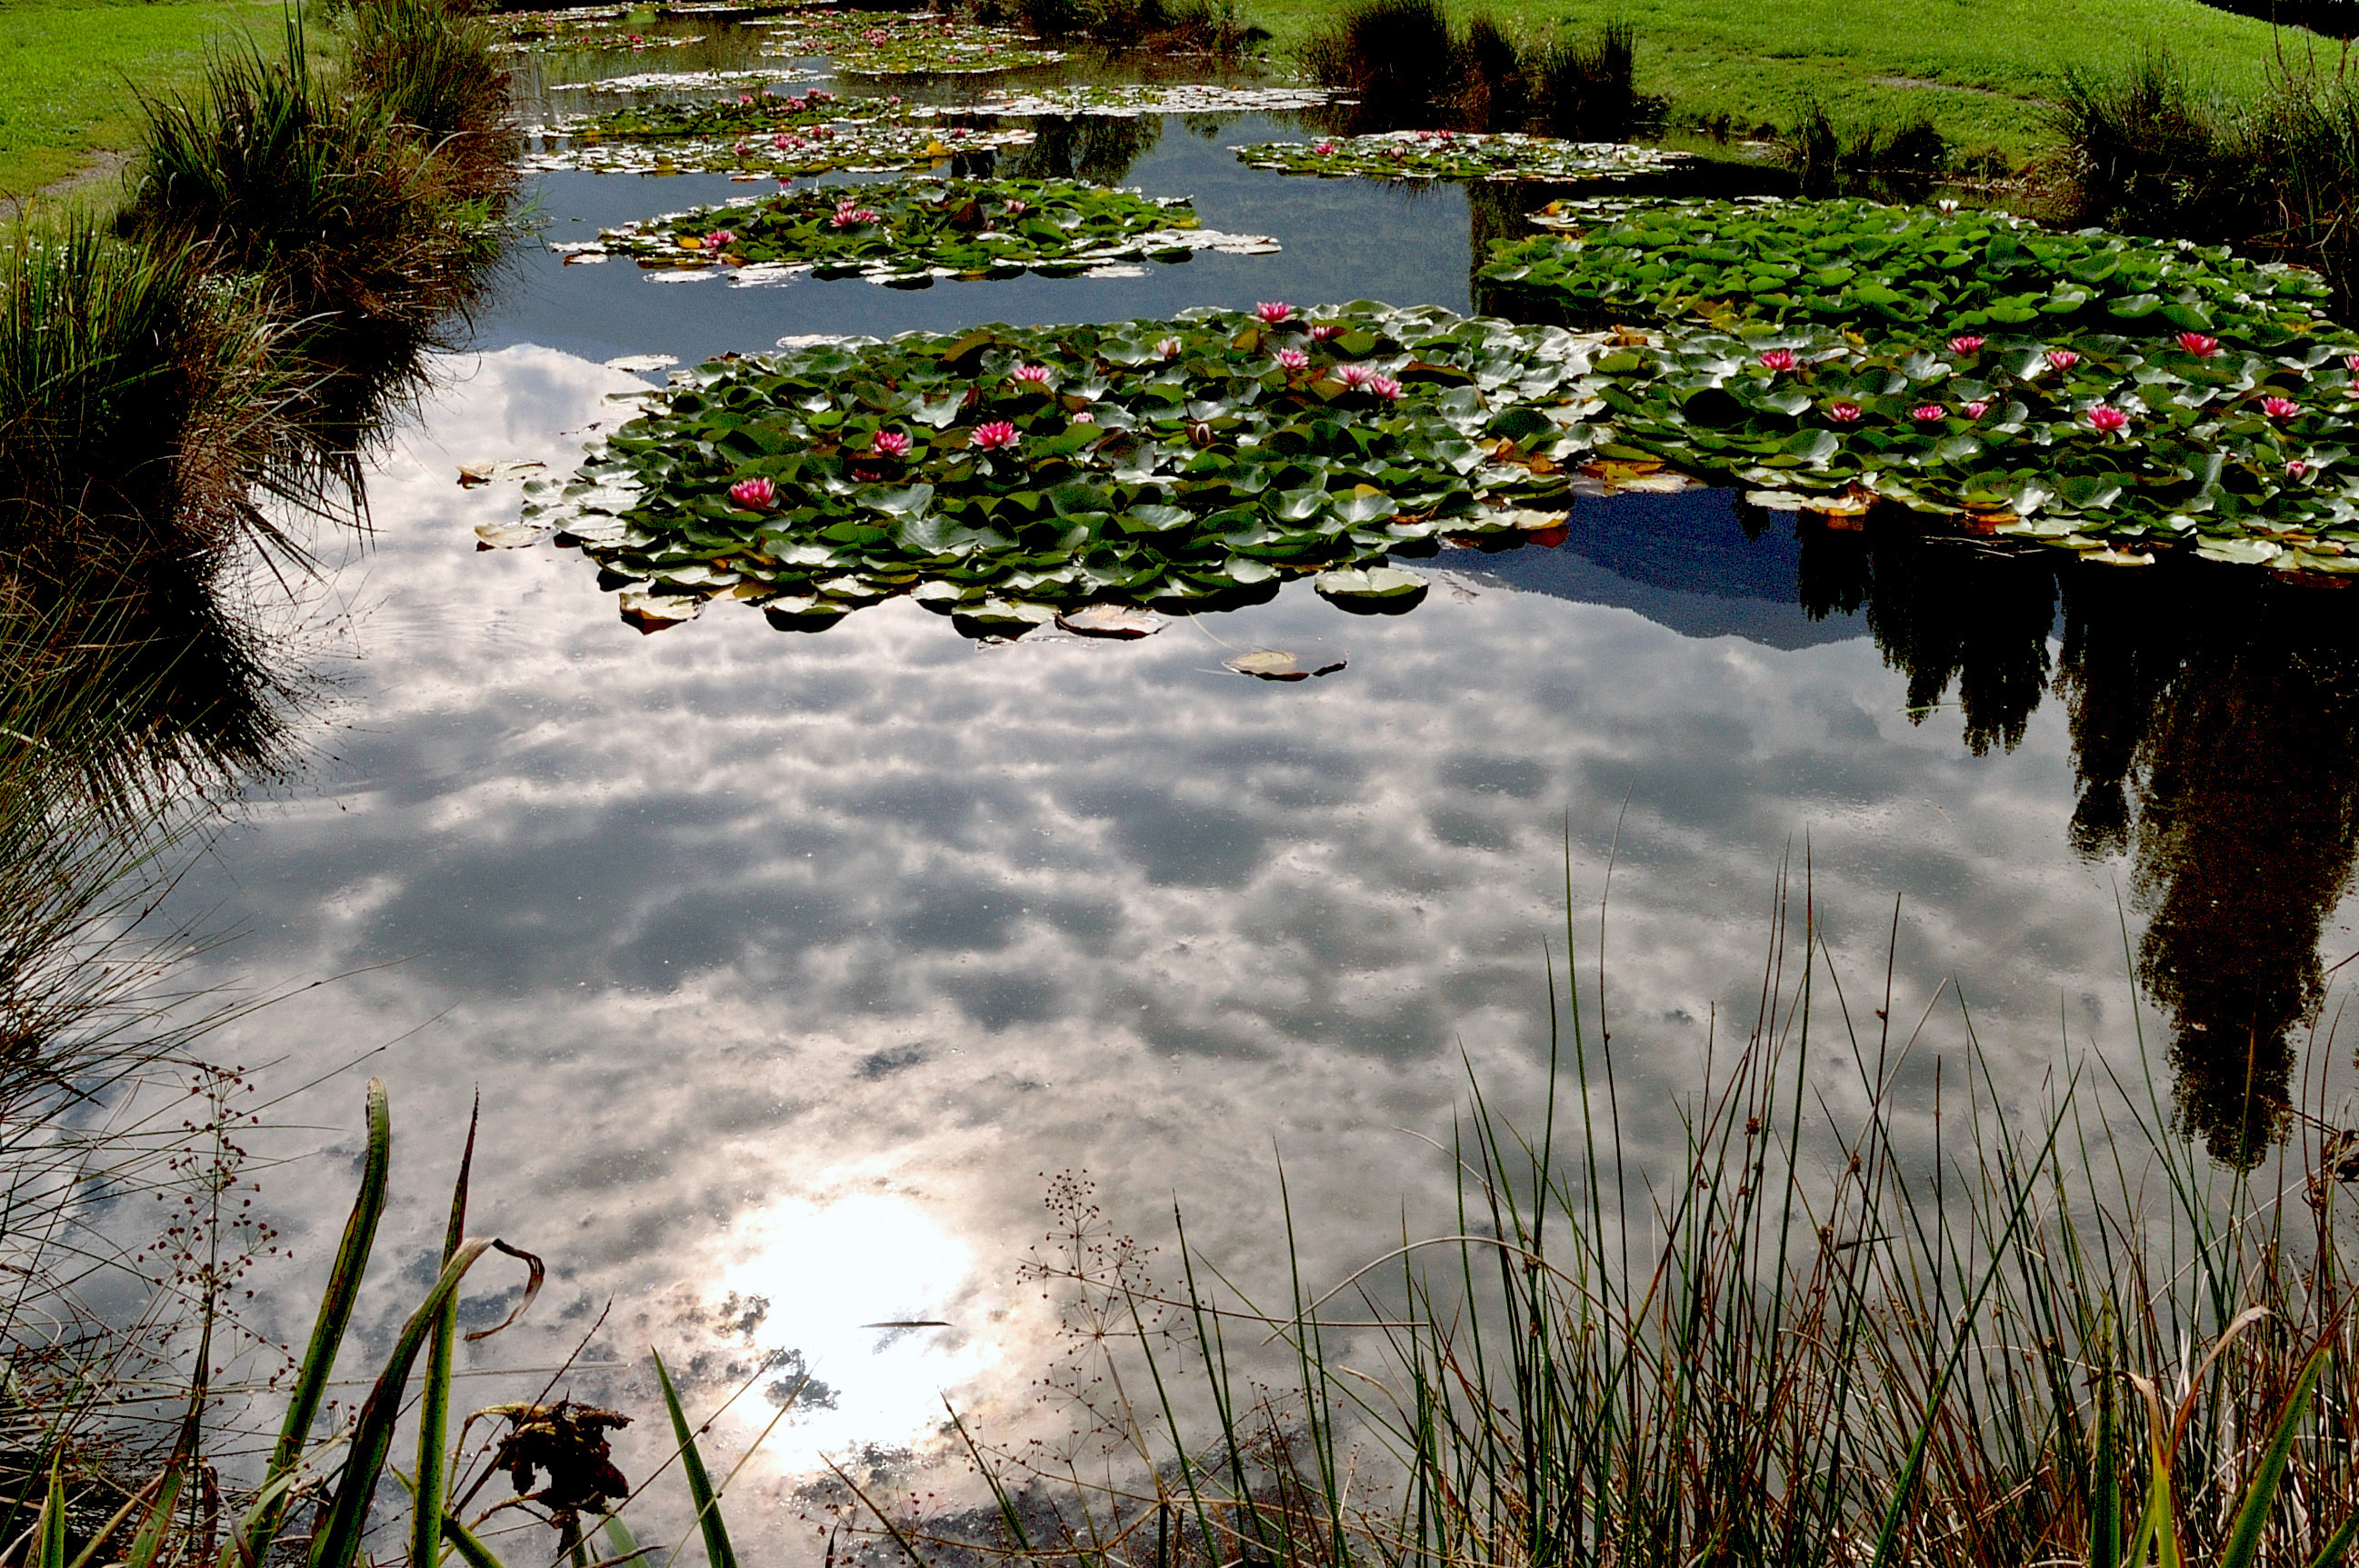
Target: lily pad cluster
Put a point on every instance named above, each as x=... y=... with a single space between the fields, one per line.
x=912 y=232
x=786 y=149
x=2109 y=445
x=747 y=115
x=1873 y=267
x=1128 y=101
x=1460 y=155
x=1005 y=473
x=581 y=32
x=640 y=81
x=884 y=43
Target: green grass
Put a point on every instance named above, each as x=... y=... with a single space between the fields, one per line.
x=68 y=69
x=1990 y=61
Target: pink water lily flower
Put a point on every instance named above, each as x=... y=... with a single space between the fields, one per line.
x=2108 y=419
x=720 y=239
x=997 y=436
x=1324 y=149
x=1926 y=413
x=2297 y=469
x=1017 y=206
x=2351 y=363
x=850 y=215
x=2062 y=358
x=2280 y=407
x=1168 y=347
x=1844 y=413
x=1976 y=410
x=1778 y=359
x=2198 y=345
x=1355 y=375
x=896 y=98
x=1385 y=387
x=1029 y=375
x=746 y=98
x=755 y=495
x=892 y=443
x=1326 y=331
x=1966 y=343
x=1291 y=358
x=1085 y=418
x=1273 y=311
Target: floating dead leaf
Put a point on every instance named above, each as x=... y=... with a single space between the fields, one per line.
x=1279 y=664
x=1987 y=522
x=508 y=536
x=656 y=612
x=2119 y=557
x=1617 y=476
x=473 y=474
x=1111 y=621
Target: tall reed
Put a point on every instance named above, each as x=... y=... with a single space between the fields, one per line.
x=1922 y=1329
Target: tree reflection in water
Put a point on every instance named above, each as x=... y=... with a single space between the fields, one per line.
x=2214 y=717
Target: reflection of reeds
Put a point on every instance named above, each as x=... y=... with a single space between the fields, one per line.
x=1864 y=1311
x=1409 y=67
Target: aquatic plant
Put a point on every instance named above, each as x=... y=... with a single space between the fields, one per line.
x=1822 y=1324
x=1467 y=155
x=887 y=43
x=317 y=1494
x=1860 y=264
x=606 y=30
x=1131 y=100
x=914 y=232
x=786 y=153
x=1207 y=468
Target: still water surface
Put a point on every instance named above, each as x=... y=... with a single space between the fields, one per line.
x=791 y=967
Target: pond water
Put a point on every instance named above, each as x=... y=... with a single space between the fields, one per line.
x=792 y=968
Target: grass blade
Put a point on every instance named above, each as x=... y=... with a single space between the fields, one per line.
x=717 y=1551
x=2244 y=1538
x=328 y=1332
x=337 y=1543
x=434 y=1400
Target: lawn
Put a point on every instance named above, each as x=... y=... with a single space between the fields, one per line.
x=70 y=68
x=1979 y=68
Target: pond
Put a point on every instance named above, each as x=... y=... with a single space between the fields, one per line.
x=794 y=969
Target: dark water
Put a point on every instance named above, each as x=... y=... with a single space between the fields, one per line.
x=791 y=966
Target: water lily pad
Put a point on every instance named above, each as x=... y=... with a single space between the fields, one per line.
x=1383 y=589
x=1281 y=664
x=1111 y=621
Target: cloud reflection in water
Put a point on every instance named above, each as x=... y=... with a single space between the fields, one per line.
x=791 y=966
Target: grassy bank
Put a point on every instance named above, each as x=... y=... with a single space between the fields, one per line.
x=68 y=69
x=1979 y=70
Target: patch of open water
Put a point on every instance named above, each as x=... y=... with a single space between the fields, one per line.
x=792 y=966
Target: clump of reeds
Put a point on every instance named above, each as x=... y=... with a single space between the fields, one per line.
x=2276 y=174
x=429 y=64
x=1407 y=65
x=364 y=231
x=1896 y=1319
